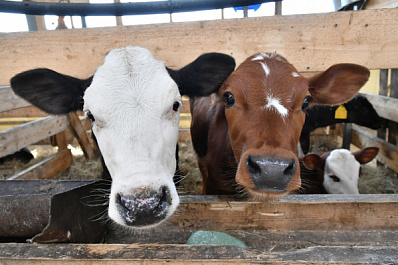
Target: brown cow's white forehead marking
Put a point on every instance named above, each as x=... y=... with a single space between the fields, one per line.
x=272 y=102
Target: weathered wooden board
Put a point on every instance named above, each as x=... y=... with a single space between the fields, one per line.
x=10 y=101
x=311 y=42
x=81 y=135
x=386 y=107
x=47 y=168
x=19 y=137
x=186 y=254
x=375 y=4
x=388 y=153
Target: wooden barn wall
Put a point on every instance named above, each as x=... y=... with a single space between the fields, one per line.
x=311 y=42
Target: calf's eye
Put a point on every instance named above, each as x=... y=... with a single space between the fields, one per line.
x=306 y=102
x=176 y=106
x=229 y=99
x=90 y=116
x=334 y=178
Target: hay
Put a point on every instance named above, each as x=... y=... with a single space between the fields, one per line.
x=375 y=179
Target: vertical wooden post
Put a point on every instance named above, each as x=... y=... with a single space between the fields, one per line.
x=393 y=126
x=278 y=8
x=347 y=135
x=81 y=135
x=383 y=91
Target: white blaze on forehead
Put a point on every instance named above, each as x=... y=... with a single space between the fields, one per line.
x=265 y=68
x=294 y=74
x=275 y=103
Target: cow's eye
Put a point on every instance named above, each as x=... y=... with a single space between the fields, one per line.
x=334 y=178
x=176 y=105
x=306 y=102
x=229 y=99
x=90 y=116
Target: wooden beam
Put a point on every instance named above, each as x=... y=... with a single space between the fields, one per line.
x=376 y=4
x=10 y=101
x=124 y=254
x=47 y=168
x=14 y=139
x=386 y=107
x=311 y=42
x=388 y=154
x=81 y=135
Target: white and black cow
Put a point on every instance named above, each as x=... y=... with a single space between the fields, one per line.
x=133 y=101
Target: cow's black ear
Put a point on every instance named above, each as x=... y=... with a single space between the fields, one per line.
x=203 y=76
x=50 y=91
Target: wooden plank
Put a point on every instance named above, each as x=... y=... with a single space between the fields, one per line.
x=10 y=101
x=181 y=254
x=19 y=137
x=81 y=135
x=30 y=111
x=47 y=168
x=388 y=153
x=311 y=42
x=294 y=212
x=386 y=107
x=375 y=4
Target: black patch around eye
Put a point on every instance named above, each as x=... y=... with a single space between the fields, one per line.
x=229 y=99
x=176 y=106
x=90 y=116
x=306 y=102
x=335 y=178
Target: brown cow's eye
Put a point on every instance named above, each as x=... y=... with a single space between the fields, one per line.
x=229 y=99
x=306 y=102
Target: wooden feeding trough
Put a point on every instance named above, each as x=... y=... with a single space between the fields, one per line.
x=336 y=229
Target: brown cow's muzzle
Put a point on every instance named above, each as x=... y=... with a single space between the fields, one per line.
x=271 y=174
x=267 y=177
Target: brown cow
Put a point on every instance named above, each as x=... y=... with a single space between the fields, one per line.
x=246 y=134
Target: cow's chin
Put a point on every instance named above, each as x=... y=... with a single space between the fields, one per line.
x=258 y=195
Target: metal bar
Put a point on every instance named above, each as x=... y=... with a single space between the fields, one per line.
x=120 y=9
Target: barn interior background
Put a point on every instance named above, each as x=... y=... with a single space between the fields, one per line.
x=63 y=149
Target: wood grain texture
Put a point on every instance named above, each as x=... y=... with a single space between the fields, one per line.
x=386 y=107
x=47 y=168
x=388 y=153
x=311 y=42
x=10 y=101
x=19 y=137
x=59 y=254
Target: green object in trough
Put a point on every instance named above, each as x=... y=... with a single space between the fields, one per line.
x=214 y=238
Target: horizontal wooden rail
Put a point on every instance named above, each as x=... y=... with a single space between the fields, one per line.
x=14 y=139
x=47 y=168
x=388 y=154
x=10 y=101
x=311 y=42
x=386 y=107
x=125 y=254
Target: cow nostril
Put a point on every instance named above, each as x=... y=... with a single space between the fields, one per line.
x=144 y=207
x=291 y=168
x=252 y=166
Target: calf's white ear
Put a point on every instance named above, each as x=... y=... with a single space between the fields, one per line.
x=338 y=84
x=366 y=155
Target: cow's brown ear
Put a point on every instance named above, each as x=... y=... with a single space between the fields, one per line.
x=338 y=84
x=312 y=161
x=366 y=155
